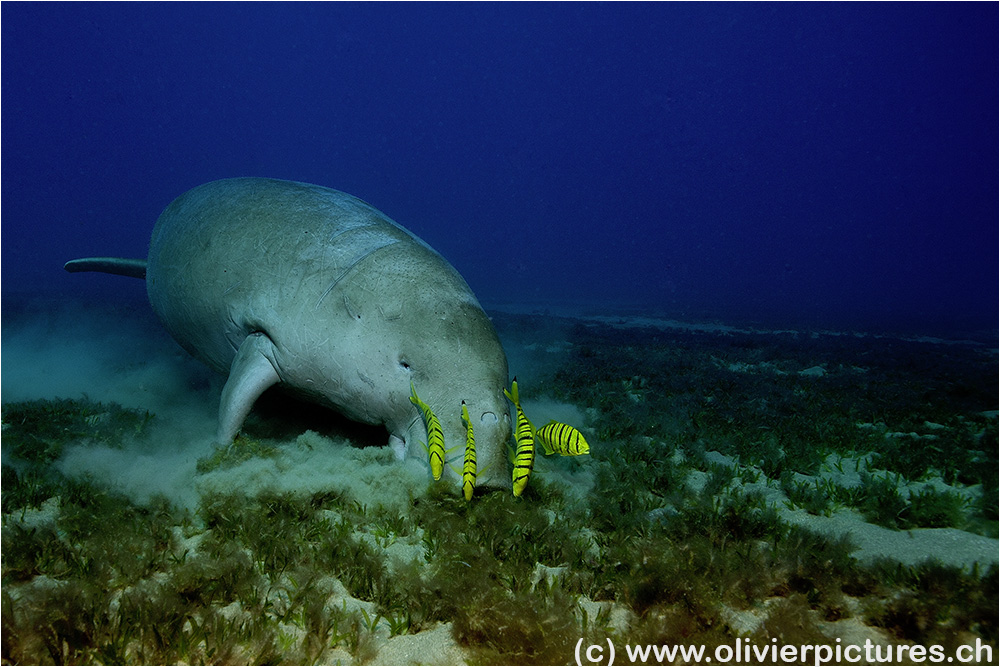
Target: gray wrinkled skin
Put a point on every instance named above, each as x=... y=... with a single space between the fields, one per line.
x=277 y=282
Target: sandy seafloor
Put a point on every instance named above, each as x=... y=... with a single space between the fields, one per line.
x=116 y=354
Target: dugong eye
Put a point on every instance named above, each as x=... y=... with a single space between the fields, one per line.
x=404 y=364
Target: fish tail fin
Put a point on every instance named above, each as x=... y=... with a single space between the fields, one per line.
x=512 y=394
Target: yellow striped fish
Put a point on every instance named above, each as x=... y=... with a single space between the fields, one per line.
x=469 y=469
x=524 y=458
x=435 y=437
x=562 y=439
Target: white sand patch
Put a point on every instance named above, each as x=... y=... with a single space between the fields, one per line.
x=745 y=622
x=435 y=646
x=547 y=574
x=744 y=367
x=853 y=632
x=844 y=471
x=850 y=631
x=948 y=545
x=37 y=517
x=399 y=552
x=610 y=614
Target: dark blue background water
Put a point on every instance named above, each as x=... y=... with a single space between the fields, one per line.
x=832 y=164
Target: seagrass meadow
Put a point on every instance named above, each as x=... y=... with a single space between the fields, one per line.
x=804 y=487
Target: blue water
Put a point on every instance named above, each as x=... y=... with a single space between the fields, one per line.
x=822 y=164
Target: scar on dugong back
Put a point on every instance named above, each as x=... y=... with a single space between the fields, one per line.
x=283 y=283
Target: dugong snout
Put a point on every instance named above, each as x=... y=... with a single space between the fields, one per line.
x=491 y=425
x=495 y=433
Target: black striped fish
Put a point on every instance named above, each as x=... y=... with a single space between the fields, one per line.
x=469 y=469
x=562 y=439
x=524 y=457
x=435 y=437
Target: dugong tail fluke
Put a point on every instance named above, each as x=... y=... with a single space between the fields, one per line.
x=133 y=268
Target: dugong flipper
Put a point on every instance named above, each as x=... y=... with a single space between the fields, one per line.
x=277 y=282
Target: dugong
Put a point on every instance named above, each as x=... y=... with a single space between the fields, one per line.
x=282 y=283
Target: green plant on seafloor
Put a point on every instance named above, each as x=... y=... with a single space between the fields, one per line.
x=814 y=496
x=932 y=601
x=370 y=622
x=38 y=431
x=712 y=553
x=646 y=540
x=28 y=487
x=882 y=502
x=388 y=525
x=399 y=624
x=242 y=449
x=518 y=628
x=600 y=627
x=930 y=508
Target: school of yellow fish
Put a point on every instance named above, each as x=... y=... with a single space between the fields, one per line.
x=555 y=438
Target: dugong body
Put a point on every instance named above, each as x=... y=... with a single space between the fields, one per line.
x=282 y=283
